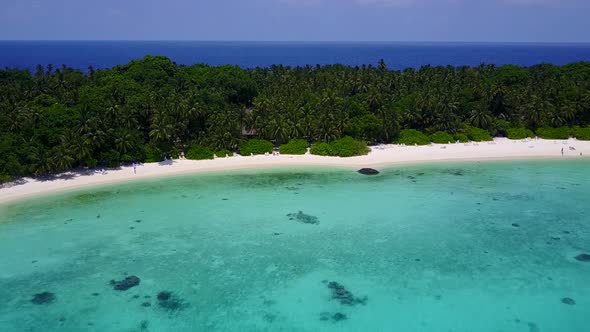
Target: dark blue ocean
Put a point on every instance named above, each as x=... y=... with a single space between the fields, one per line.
x=106 y=54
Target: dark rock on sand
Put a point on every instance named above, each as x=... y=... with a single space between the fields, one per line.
x=456 y=172
x=164 y=296
x=43 y=298
x=325 y=316
x=339 y=316
x=126 y=283
x=568 y=301
x=303 y=218
x=169 y=301
x=368 y=171
x=340 y=293
x=583 y=258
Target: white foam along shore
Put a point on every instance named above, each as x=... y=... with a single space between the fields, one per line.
x=499 y=149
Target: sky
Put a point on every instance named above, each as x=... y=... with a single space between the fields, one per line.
x=297 y=20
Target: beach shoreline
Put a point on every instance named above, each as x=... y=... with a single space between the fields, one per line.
x=500 y=149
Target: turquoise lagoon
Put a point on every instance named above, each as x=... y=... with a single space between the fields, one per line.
x=472 y=247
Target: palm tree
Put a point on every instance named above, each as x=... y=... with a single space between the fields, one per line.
x=481 y=118
x=124 y=142
x=161 y=127
x=61 y=158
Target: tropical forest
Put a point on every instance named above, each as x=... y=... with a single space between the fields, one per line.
x=57 y=118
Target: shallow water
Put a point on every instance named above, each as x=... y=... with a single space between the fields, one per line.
x=447 y=247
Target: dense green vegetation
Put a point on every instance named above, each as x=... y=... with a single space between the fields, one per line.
x=461 y=137
x=199 y=152
x=222 y=153
x=295 y=146
x=255 y=146
x=348 y=147
x=441 y=137
x=581 y=133
x=58 y=118
x=554 y=133
x=413 y=137
x=519 y=133
x=477 y=134
x=342 y=147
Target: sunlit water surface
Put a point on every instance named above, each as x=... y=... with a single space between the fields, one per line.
x=449 y=247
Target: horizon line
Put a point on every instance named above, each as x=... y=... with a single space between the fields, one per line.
x=298 y=41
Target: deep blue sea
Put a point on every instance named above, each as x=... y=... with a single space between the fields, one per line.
x=106 y=54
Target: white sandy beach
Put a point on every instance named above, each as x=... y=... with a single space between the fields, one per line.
x=500 y=149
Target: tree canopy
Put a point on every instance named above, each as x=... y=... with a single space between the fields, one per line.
x=58 y=118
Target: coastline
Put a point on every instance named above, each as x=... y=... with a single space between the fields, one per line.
x=380 y=156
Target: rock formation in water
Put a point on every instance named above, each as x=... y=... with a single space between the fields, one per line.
x=126 y=283
x=143 y=325
x=340 y=293
x=169 y=301
x=303 y=218
x=335 y=317
x=568 y=301
x=43 y=298
x=339 y=316
x=583 y=258
x=368 y=171
x=533 y=327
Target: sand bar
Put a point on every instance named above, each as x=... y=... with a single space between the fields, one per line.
x=499 y=149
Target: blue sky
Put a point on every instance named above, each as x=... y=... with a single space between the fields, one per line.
x=298 y=20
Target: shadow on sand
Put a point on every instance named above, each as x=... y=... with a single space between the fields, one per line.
x=67 y=175
x=168 y=162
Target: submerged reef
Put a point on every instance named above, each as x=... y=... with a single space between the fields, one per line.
x=303 y=218
x=126 y=283
x=568 y=301
x=169 y=301
x=533 y=327
x=334 y=317
x=43 y=298
x=340 y=293
x=368 y=171
x=455 y=172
